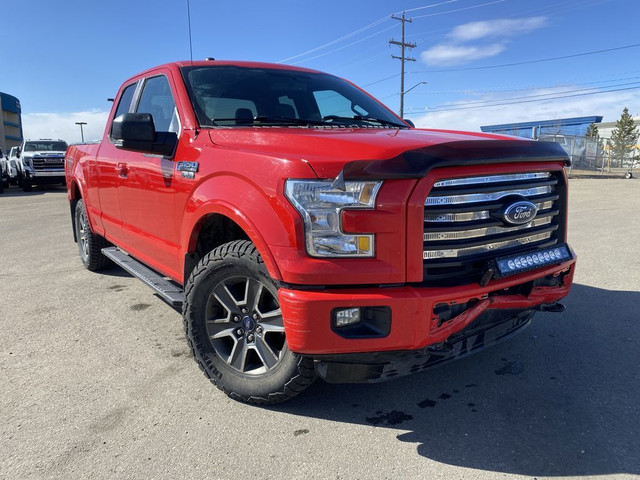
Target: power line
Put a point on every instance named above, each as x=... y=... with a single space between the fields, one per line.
x=428 y=6
x=529 y=87
x=382 y=80
x=535 y=61
x=333 y=42
x=538 y=100
x=359 y=30
x=489 y=103
x=459 y=9
x=344 y=46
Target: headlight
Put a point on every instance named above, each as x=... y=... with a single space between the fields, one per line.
x=27 y=161
x=320 y=207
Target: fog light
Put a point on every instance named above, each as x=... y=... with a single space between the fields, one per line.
x=347 y=316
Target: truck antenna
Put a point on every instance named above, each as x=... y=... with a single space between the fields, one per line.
x=189 y=21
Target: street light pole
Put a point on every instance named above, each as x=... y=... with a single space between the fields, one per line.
x=417 y=84
x=81 y=131
x=407 y=91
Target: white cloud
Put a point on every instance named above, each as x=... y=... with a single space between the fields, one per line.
x=458 y=50
x=609 y=105
x=501 y=27
x=456 y=54
x=62 y=125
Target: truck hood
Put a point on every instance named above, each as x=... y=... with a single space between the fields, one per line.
x=380 y=153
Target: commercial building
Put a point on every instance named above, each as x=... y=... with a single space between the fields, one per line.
x=10 y=122
x=573 y=127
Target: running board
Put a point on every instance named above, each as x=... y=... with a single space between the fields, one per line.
x=168 y=290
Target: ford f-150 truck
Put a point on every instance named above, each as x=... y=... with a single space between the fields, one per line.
x=306 y=230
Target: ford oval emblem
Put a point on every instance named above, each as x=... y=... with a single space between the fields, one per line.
x=520 y=212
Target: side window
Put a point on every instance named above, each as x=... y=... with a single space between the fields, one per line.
x=125 y=100
x=157 y=100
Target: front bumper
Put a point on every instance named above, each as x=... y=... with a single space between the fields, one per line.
x=44 y=177
x=414 y=323
x=489 y=329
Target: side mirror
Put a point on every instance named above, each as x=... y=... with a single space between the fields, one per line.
x=18 y=152
x=137 y=132
x=409 y=122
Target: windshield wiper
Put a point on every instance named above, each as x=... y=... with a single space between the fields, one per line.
x=363 y=118
x=379 y=120
x=295 y=121
x=268 y=119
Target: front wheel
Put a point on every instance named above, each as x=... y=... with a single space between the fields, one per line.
x=234 y=327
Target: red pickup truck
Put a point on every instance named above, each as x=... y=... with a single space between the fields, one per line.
x=306 y=230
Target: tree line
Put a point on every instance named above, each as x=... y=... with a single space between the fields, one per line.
x=622 y=147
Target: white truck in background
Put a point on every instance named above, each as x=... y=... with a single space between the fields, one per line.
x=40 y=162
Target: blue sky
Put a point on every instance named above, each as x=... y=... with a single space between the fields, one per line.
x=64 y=59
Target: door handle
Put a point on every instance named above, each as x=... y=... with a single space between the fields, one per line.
x=122 y=169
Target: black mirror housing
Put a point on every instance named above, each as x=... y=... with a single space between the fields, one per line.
x=409 y=122
x=134 y=127
x=137 y=132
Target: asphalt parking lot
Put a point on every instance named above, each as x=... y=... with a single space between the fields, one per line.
x=96 y=380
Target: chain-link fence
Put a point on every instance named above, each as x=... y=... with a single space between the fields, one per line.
x=596 y=154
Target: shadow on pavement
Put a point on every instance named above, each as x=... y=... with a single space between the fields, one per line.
x=560 y=399
x=14 y=191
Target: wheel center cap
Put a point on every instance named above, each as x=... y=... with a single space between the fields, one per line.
x=248 y=323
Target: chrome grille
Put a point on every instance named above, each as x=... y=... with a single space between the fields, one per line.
x=48 y=163
x=464 y=227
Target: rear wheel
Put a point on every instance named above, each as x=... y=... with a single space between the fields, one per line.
x=90 y=245
x=234 y=327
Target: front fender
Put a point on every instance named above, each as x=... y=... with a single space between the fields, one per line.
x=262 y=216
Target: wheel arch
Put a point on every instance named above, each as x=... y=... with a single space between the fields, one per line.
x=74 y=195
x=221 y=223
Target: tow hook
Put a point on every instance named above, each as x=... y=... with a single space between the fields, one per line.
x=551 y=307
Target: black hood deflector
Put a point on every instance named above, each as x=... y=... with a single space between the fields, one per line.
x=417 y=163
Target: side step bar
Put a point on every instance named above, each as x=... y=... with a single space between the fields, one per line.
x=169 y=291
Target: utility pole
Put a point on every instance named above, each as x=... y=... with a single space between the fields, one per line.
x=81 y=131
x=402 y=58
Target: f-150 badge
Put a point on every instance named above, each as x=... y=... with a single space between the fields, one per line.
x=188 y=169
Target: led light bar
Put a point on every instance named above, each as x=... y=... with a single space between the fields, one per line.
x=523 y=262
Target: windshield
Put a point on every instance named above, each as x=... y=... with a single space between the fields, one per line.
x=241 y=96
x=42 y=145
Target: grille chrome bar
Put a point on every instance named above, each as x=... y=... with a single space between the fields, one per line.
x=492 y=179
x=487 y=247
x=481 y=232
x=486 y=197
x=472 y=216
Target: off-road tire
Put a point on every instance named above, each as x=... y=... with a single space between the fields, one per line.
x=90 y=245
x=215 y=291
x=26 y=186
